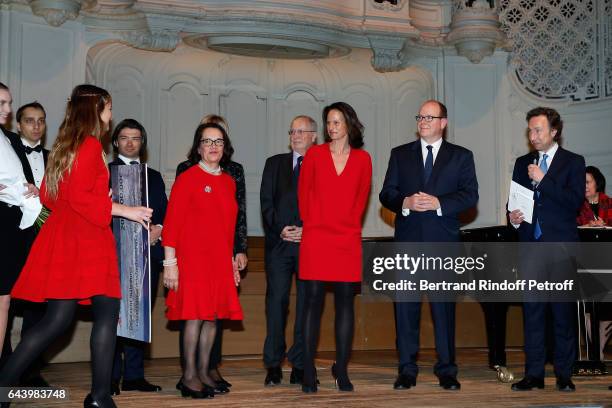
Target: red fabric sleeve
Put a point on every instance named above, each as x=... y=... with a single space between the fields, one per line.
x=176 y=213
x=365 y=183
x=88 y=184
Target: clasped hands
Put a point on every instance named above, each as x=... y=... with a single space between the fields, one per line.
x=421 y=202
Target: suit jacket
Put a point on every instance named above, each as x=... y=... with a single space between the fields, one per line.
x=279 y=203
x=453 y=181
x=561 y=195
x=158 y=201
x=237 y=172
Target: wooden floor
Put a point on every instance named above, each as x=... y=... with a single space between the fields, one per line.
x=372 y=373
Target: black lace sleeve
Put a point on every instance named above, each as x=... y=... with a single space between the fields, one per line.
x=240 y=238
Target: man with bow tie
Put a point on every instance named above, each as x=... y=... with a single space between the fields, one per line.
x=32 y=126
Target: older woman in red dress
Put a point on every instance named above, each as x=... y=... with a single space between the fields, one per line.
x=333 y=189
x=596 y=211
x=73 y=259
x=199 y=269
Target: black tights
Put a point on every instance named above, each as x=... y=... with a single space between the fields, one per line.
x=57 y=319
x=198 y=339
x=344 y=324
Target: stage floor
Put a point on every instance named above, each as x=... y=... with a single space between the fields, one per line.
x=372 y=373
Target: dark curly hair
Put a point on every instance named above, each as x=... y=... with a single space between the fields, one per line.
x=553 y=117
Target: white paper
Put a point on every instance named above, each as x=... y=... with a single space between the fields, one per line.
x=521 y=198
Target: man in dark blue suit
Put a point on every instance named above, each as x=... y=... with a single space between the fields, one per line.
x=130 y=141
x=428 y=183
x=558 y=178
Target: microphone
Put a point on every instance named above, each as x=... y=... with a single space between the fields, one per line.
x=535 y=161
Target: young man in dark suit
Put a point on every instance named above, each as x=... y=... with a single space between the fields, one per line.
x=557 y=177
x=32 y=127
x=429 y=182
x=129 y=142
x=283 y=233
x=14 y=240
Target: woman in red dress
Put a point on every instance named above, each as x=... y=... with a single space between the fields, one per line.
x=333 y=190
x=73 y=259
x=199 y=269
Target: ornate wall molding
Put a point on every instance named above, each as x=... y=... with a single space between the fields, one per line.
x=561 y=49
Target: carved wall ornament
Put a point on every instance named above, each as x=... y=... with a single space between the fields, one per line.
x=475 y=29
x=388 y=5
x=561 y=49
x=56 y=12
x=387 y=53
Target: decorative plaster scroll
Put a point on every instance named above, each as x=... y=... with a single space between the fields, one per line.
x=152 y=40
x=560 y=48
x=56 y=12
x=387 y=5
x=387 y=53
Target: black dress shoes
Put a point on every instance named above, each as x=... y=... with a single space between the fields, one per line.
x=297 y=376
x=274 y=376
x=404 y=382
x=449 y=382
x=92 y=403
x=139 y=384
x=206 y=392
x=216 y=376
x=528 y=383
x=565 y=384
x=308 y=389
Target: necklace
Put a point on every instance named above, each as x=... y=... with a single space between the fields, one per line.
x=208 y=169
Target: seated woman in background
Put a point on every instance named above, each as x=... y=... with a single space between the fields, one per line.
x=596 y=210
x=199 y=269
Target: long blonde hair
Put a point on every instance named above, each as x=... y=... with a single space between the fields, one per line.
x=82 y=119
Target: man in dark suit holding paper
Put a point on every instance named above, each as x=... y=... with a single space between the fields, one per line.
x=130 y=141
x=283 y=233
x=429 y=182
x=557 y=177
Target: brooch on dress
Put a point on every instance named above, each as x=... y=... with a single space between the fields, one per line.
x=207 y=189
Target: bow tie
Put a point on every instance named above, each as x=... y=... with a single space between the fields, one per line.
x=29 y=149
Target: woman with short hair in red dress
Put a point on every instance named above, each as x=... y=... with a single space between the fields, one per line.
x=199 y=268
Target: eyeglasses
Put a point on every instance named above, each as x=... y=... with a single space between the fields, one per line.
x=210 y=142
x=300 y=132
x=427 y=118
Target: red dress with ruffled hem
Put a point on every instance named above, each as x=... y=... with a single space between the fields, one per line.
x=74 y=254
x=200 y=223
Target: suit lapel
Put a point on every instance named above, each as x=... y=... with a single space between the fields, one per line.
x=20 y=150
x=558 y=162
x=286 y=172
x=416 y=170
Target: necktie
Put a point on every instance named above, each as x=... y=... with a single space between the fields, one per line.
x=296 y=170
x=428 y=164
x=29 y=149
x=134 y=162
x=537 y=230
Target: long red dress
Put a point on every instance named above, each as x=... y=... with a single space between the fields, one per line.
x=73 y=256
x=331 y=208
x=200 y=223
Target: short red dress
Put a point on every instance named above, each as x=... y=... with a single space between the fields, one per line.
x=74 y=254
x=199 y=224
x=332 y=208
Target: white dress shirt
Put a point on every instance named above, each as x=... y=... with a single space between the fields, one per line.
x=37 y=163
x=434 y=151
x=12 y=177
